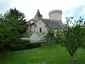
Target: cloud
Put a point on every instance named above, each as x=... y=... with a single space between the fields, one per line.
x=75 y=12
x=29 y=7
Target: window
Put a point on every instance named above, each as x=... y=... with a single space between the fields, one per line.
x=40 y=30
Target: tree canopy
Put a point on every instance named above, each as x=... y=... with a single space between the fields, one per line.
x=73 y=35
x=12 y=26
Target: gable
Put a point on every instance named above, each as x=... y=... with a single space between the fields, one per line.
x=40 y=22
x=41 y=27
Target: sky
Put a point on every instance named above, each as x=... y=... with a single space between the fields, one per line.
x=70 y=8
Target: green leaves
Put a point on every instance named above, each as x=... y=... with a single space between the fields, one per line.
x=73 y=36
x=12 y=26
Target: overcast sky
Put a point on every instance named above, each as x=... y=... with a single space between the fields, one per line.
x=75 y=8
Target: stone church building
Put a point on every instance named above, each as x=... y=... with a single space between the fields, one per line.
x=38 y=26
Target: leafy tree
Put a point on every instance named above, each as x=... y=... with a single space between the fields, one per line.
x=73 y=36
x=16 y=19
x=49 y=36
x=12 y=26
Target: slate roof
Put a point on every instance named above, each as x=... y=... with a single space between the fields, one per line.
x=52 y=24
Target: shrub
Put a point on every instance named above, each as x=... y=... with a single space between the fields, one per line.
x=24 y=45
x=33 y=45
x=19 y=45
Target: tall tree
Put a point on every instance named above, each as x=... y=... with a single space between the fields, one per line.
x=17 y=20
x=12 y=26
x=73 y=36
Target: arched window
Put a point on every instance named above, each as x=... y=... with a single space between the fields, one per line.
x=40 y=29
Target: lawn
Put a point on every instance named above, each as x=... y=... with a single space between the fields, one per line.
x=52 y=54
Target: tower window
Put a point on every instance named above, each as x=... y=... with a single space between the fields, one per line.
x=40 y=29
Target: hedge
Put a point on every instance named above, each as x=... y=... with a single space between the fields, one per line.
x=20 y=45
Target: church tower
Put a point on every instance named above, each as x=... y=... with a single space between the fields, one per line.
x=38 y=14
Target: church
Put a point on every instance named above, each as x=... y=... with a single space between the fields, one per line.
x=38 y=26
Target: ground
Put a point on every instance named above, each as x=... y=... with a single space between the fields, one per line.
x=52 y=54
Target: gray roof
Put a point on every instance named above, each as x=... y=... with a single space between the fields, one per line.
x=53 y=24
x=33 y=19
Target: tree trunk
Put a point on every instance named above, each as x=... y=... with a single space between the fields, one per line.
x=73 y=61
x=49 y=40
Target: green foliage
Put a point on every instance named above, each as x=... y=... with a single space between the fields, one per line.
x=19 y=45
x=12 y=26
x=24 y=45
x=16 y=19
x=73 y=36
x=49 y=36
x=33 y=45
x=57 y=36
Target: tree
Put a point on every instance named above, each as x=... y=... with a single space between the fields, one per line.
x=12 y=27
x=16 y=19
x=73 y=36
x=49 y=36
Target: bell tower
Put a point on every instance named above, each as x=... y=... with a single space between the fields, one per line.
x=38 y=14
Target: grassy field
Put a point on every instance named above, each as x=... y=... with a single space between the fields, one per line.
x=53 y=54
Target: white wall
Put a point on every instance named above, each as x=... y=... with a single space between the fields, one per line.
x=32 y=28
x=41 y=25
x=36 y=28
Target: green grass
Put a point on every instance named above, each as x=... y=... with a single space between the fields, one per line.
x=53 y=54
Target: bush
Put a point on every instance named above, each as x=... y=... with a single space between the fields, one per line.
x=16 y=45
x=83 y=45
x=33 y=45
x=24 y=45
x=19 y=45
x=2 y=48
x=21 y=42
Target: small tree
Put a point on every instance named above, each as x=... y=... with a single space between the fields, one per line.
x=73 y=36
x=49 y=36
